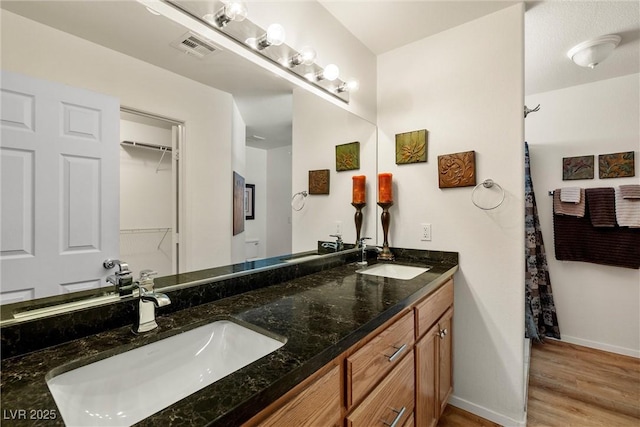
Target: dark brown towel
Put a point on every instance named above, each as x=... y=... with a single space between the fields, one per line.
x=601 y=203
x=575 y=239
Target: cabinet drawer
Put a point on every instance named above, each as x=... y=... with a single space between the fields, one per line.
x=392 y=401
x=367 y=366
x=434 y=306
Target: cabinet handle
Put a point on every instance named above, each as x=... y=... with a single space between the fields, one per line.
x=396 y=353
x=443 y=333
x=397 y=418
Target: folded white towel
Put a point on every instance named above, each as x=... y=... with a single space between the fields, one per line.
x=627 y=211
x=570 y=194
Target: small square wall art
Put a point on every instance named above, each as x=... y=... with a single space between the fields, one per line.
x=319 y=181
x=238 y=203
x=348 y=156
x=616 y=165
x=580 y=167
x=411 y=147
x=457 y=170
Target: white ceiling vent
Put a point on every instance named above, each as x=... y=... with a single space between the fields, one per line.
x=195 y=45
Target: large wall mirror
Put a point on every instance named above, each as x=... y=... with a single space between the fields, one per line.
x=187 y=118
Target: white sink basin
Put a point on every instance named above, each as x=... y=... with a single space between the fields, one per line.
x=394 y=271
x=124 y=389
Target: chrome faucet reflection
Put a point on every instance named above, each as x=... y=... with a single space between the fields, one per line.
x=148 y=301
x=122 y=279
x=338 y=245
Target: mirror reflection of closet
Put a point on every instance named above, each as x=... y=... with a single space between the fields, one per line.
x=148 y=192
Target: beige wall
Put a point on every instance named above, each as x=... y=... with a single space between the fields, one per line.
x=465 y=86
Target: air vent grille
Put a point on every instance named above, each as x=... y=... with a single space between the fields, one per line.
x=194 y=45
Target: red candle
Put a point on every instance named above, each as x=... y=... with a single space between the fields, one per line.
x=385 y=191
x=358 y=189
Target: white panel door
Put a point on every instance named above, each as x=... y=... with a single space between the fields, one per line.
x=60 y=187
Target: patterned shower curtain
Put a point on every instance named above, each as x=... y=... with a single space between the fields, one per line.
x=540 y=311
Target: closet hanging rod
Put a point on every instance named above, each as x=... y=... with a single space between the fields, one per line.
x=146 y=145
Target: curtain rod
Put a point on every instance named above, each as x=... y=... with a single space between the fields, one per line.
x=146 y=145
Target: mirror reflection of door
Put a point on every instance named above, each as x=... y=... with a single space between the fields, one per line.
x=148 y=196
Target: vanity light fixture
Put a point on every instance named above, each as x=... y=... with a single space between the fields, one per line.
x=232 y=11
x=306 y=56
x=592 y=52
x=273 y=37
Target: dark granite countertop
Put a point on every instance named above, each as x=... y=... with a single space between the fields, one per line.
x=321 y=315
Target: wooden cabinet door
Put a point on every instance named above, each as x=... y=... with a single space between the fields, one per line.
x=391 y=402
x=317 y=405
x=427 y=409
x=445 y=364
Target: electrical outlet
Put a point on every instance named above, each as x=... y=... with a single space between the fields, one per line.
x=425 y=232
x=339 y=228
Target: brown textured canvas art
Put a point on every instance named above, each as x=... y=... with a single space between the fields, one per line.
x=616 y=165
x=319 y=181
x=457 y=170
x=580 y=167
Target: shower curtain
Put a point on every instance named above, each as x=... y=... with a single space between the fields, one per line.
x=540 y=311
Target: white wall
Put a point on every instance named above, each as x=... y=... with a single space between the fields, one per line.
x=50 y=54
x=145 y=199
x=238 y=162
x=279 y=233
x=465 y=86
x=314 y=139
x=598 y=306
x=256 y=174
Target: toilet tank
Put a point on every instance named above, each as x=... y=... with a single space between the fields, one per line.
x=251 y=249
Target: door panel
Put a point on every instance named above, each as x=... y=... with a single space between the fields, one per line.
x=60 y=187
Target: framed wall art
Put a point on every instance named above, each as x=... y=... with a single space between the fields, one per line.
x=457 y=170
x=348 y=156
x=580 y=167
x=411 y=147
x=616 y=165
x=249 y=201
x=238 y=203
x=319 y=181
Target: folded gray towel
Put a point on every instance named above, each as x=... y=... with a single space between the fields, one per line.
x=631 y=191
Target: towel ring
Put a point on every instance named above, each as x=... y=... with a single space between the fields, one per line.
x=297 y=200
x=487 y=183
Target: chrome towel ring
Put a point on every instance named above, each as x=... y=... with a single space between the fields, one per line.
x=487 y=183
x=297 y=200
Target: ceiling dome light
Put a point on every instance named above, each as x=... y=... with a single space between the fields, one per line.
x=592 y=52
x=330 y=72
x=275 y=36
x=232 y=11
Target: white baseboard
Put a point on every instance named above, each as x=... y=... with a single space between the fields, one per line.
x=602 y=346
x=487 y=414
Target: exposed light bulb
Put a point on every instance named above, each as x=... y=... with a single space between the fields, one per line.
x=274 y=36
x=330 y=72
x=306 y=56
x=232 y=11
x=350 y=85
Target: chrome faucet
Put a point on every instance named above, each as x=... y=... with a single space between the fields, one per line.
x=339 y=242
x=147 y=303
x=122 y=279
x=363 y=246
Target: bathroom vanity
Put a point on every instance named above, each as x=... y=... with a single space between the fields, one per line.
x=355 y=345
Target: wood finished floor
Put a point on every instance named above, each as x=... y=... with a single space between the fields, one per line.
x=573 y=386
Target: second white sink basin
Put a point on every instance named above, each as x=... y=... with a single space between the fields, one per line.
x=394 y=271
x=126 y=388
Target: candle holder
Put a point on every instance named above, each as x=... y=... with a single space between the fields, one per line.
x=358 y=219
x=386 y=220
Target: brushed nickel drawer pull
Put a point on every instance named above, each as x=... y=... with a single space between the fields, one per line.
x=397 y=418
x=396 y=353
